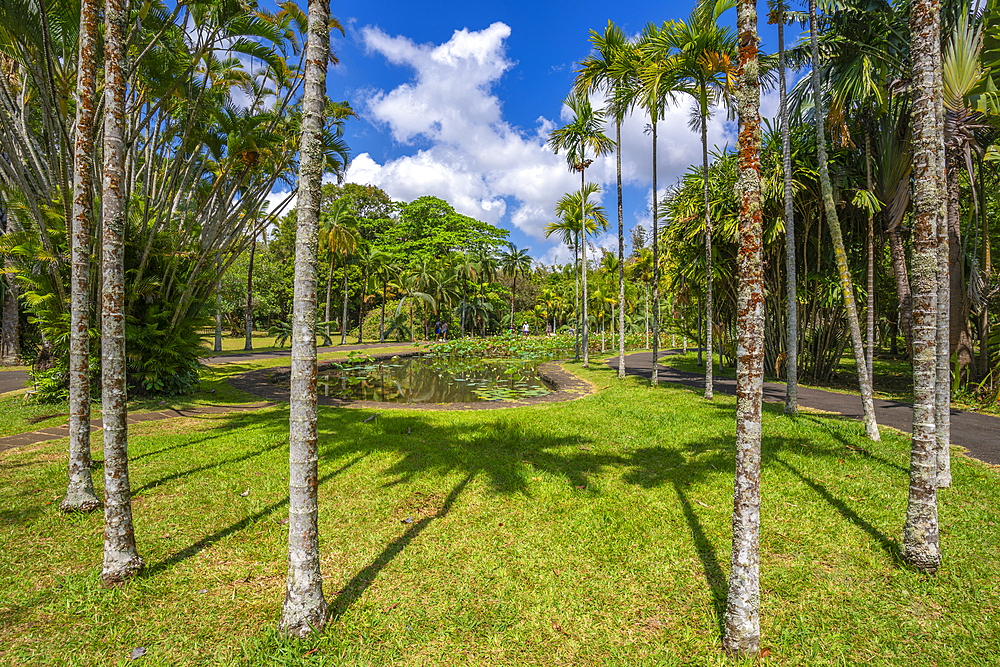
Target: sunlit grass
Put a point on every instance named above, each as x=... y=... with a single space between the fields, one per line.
x=592 y=532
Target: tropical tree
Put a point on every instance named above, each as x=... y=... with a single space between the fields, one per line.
x=599 y=71
x=584 y=132
x=779 y=15
x=80 y=494
x=304 y=609
x=514 y=261
x=696 y=56
x=833 y=223
x=742 y=620
x=339 y=237
x=121 y=559
x=920 y=532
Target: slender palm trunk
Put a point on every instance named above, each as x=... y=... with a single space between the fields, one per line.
x=248 y=345
x=656 y=268
x=645 y=314
x=583 y=268
x=948 y=183
x=742 y=620
x=329 y=291
x=121 y=560
x=576 y=298
x=9 y=354
x=80 y=494
x=218 y=310
x=897 y=255
x=381 y=322
x=304 y=609
x=870 y=308
x=920 y=533
x=621 y=256
x=791 y=286
x=513 y=291
x=833 y=222
x=343 y=321
x=361 y=306
x=708 y=246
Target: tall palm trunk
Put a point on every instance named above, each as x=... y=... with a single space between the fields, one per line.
x=870 y=309
x=833 y=222
x=329 y=293
x=656 y=267
x=583 y=267
x=920 y=533
x=791 y=286
x=9 y=355
x=742 y=620
x=361 y=306
x=381 y=322
x=948 y=229
x=80 y=489
x=621 y=256
x=121 y=560
x=248 y=345
x=218 y=314
x=897 y=255
x=304 y=609
x=343 y=321
x=708 y=243
x=576 y=297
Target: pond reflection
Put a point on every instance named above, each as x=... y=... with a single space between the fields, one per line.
x=433 y=379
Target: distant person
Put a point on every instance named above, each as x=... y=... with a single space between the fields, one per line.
x=437 y=331
x=444 y=331
x=526 y=329
x=548 y=329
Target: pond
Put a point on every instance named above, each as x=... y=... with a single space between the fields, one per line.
x=433 y=379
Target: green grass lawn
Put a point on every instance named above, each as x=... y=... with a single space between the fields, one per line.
x=594 y=532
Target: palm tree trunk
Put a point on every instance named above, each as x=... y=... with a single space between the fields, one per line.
x=656 y=267
x=304 y=609
x=792 y=323
x=920 y=533
x=80 y=494
x=343 y=322
x=361 y=306
x=708 y=246
x=576 y=297
x=121 y=560
x=621 y=255
x=9 y=355
x=742 y=620
x=583 y=267
x=329 y=286
x=897 y=254
x=645 y=292
x=833 y=222
x=248 y=345
x=218 y=309
x=381 y=322
x=870 y=306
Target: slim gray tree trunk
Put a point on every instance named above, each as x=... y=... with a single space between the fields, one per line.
x=870 y=314
x=920 y=533
x=942 y=388
x=621 y=256
x=742 y=620
x=708 y=252
x=343 y=322
x=381 y=322
x=583 y=268
x=9 y=355
x=80 y=494
x=897 y=254
x=304 y=609
x=329 y=285
x=121 y=560
x=791 y=285
x=218 y=309
x=833 y=222
x=248 y=345
x=656 y=267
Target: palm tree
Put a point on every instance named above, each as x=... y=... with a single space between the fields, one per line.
x=384 y=270
x=407 y=285
x=466 y=270
x=339 y=236
x=920 y=533
x=742 y=620
x=833 y=222
x=599 y=71
x=368 y=259
x=121 y=559
x=576 y=137
x=514 y=261
x=778 y=14
x=80 y=494
x=304 y=609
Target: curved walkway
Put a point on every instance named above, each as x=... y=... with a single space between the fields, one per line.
x=978 y=433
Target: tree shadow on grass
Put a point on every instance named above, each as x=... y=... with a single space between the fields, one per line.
x=208 y=466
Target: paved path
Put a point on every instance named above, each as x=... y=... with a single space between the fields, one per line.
x=978 y=433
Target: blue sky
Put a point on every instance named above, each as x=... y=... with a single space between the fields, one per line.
x=456 y=100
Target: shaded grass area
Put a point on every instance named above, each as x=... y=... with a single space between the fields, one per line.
x=594 y=532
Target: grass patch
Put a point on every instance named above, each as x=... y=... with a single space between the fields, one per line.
x=593 y=532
